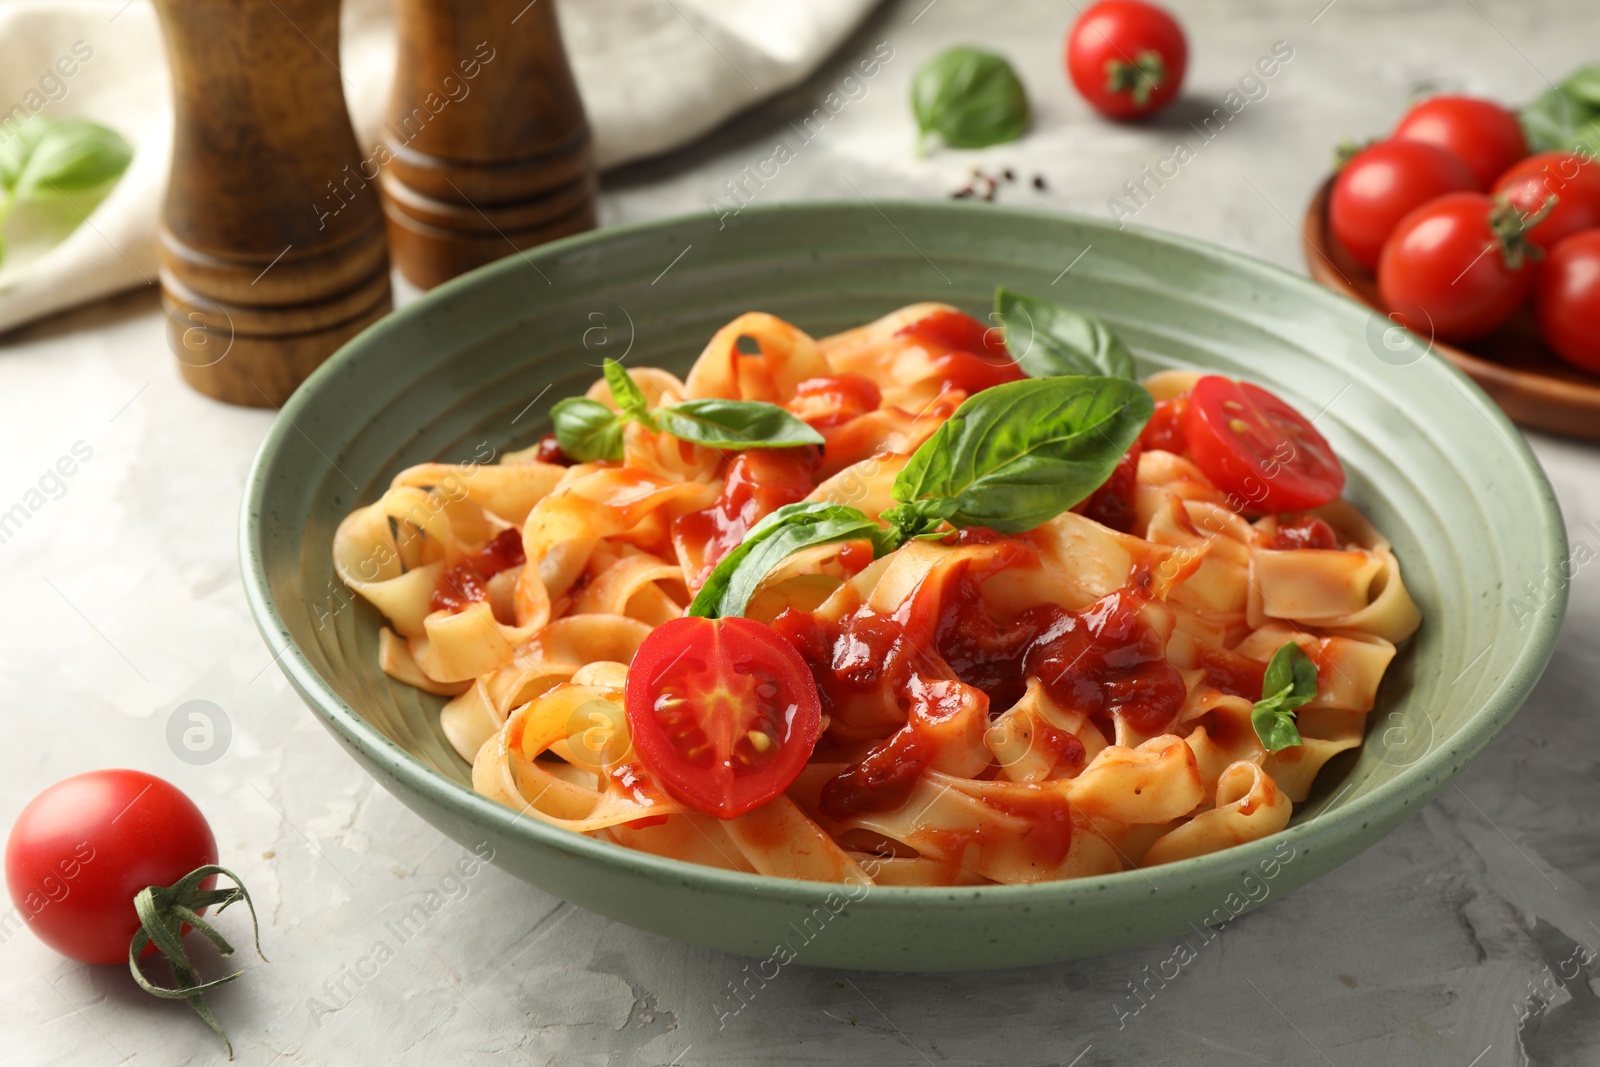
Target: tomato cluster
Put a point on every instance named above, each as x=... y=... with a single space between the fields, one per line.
x=1464 y=227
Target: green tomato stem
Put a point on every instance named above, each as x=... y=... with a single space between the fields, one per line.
x=163 y=913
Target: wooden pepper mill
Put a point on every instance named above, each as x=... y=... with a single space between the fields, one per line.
x=486 y=141
x=271 y=255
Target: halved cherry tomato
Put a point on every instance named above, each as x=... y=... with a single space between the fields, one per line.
x=1384 y=183
x=1257 y=449
x=1486 y=137
x=1567 y=181
x=967 y=354
x=723 y=712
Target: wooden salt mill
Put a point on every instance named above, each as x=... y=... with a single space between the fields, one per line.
x=271 y=241
x=486 y=141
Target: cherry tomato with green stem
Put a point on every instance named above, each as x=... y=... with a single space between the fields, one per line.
x=1126 y=57
x=1457 y=267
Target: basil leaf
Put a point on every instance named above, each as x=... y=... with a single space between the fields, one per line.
x=72 y=156
x=1290 y=682
x=17 y=142
x=1566 y=116
x=737 y=575
x=1019 y=454
x=626 y=392
x=1583 y=85
x=970 y=98
x=1275 y=728
x=587 y=430
x=1046 y=339
x=735 y=424
x=1291 y=677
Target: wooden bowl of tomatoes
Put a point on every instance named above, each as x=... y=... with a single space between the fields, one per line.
x=1489 y=254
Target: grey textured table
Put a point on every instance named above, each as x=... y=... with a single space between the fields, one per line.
x=1466 y=939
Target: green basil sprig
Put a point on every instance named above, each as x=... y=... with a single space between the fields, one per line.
x=1567 y=115
x=587 y=430
x=1290 y=682
x=1010 y=458
x=1047 y=339
x=1019 y=454
x=41 y=158
x=970 y=98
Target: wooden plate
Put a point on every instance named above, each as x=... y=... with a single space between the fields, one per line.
x=1513 y=365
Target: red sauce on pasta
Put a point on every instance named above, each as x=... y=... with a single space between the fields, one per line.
x=1113 y=503
x=1307 y=532
x=1165 y=430
x=1103 y=661
x=549 y=451
x=1231 y=673
x=834 y=400
x=466 y=582
x=758 y=482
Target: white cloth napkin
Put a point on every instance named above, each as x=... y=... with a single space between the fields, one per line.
x=654 y=74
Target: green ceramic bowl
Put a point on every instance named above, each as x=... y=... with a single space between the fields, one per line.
x=478 y=363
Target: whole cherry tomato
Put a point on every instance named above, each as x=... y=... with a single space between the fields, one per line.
x=1566 y=183
x=84 y=848
x=1384 y=183
x=1485 y=136
x=1456 y=267
x=1126 y=57
x=1567 y=300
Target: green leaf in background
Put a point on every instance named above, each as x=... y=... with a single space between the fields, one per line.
x=1019 y=454
x=17 y=141
x=734 y=581
x=1046 y=339
x=1566 y=116
x=1289 y=683
x=587 y=430
x=72 y=156
x=69 y=159
x=735 y=424
x=1583 y=84
x=626 y=392
x=970 y=98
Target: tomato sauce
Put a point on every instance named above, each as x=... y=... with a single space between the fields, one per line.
x=549 y=451
x=966 y=354
x=1165 y=431
x=826 y=402
x=1112 y=504
x=759 y=481
x=1308 y=532
x=1231 y=673
x=1103 y=661
x=466 y=582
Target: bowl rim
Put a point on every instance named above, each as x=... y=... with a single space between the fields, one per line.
x=1418 y=781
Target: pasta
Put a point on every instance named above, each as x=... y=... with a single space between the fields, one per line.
x=1069 y=700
